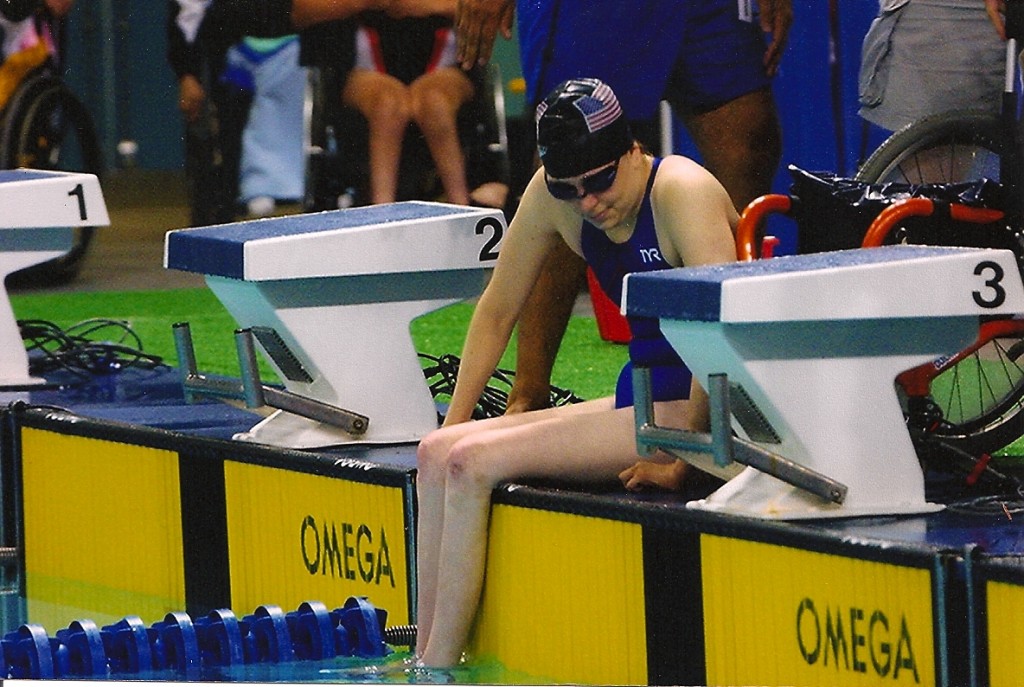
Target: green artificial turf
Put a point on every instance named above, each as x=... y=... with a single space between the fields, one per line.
x=587 y=365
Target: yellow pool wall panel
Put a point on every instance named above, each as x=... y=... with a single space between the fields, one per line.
x=1005 y=628
x=295 y=536
x=584 y=591
x=775 y=615
x=563 y=599
x=102 y=529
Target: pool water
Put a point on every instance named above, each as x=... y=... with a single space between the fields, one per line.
x=396 y=668
x=210 y=648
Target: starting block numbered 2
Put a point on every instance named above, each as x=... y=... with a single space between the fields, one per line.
x=40 y=211
x=815 y=342
x=334 y=294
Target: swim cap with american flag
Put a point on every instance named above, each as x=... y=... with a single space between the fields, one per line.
x=580 y=127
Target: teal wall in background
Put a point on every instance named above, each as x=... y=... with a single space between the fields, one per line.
x=116 y=62
x=506 y=55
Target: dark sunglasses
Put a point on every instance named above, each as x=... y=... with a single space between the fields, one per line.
x=595 y=182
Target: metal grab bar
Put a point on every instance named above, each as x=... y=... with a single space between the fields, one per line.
x=719 y=452
x=250 y=387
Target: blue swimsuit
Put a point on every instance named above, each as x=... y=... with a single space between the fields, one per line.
x=648 y=347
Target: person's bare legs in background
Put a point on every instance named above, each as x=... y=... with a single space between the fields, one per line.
x=384 y=101
x=437 y=97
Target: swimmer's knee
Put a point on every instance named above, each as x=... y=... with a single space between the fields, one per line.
x=462 y=464
x=431 y=457
x=467 y=464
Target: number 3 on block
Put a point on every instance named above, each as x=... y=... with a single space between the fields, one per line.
x=994 y=294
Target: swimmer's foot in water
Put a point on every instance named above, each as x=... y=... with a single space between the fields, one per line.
x=398 y=663
x=419 y=673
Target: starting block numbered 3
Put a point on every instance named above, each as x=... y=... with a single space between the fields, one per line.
x=40 y=211
x=334 y=293
x=815 y=342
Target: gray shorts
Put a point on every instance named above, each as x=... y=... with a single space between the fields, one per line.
x=930 y=56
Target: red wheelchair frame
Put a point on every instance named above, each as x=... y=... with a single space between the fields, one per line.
x=976 y=438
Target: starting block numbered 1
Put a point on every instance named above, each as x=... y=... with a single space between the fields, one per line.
x=40 y=211
x=815 y=342
x=330 y=297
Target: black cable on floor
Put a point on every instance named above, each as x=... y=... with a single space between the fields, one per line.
x=441 y=373
x=92 y=347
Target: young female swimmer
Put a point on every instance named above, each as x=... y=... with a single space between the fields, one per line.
x=624 y=211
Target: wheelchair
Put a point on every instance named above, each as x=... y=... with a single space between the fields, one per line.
x=961 y=408
x=949 y=151
x=44 y=125
x=335 y=141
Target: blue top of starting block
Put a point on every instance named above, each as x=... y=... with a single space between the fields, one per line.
x=220 y=249
x=9 y=175
x=697 y=293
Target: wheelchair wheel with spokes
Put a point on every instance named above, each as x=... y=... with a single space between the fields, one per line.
x=329 y=182
x=945 y=148
x=982 y=396
x=45 y=126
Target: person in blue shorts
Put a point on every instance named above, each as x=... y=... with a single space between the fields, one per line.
x=708 y=58
x=601 y=194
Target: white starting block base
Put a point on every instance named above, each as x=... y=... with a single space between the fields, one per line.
x=834 y=405
x=361 y=355
x=40 y=209
x=21 y=248
x=816 y=341
x=341 y=289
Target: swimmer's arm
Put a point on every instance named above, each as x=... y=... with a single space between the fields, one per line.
x=523 y=250
x=694 y=213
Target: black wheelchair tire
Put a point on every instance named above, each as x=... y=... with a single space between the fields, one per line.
x=44 y=101
x=958 y=131
x=1002 y=422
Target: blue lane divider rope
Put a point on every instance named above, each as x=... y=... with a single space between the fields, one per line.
x=185 y=645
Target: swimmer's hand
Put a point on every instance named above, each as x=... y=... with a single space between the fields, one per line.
x=646 y=474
